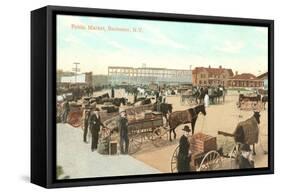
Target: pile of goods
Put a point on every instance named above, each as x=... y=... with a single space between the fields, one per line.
x=144 y=116
x=201 y=142
x=109 y=108
x=138 y=109
x=135 y=117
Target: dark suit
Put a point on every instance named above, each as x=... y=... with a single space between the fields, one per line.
x=86 y=122
x=123 y=130
x=66 y=109
x=94 y=125
x=183 y=159
x=245 y=163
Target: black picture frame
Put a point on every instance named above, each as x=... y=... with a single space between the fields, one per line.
x=43 y=90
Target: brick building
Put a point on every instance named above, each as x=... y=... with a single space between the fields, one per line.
x=208 y=76
x=264 y=77
x=245 y=80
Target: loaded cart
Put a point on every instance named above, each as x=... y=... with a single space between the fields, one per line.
x=142 y=127
x=246 y=132
x=204 y=154
x=149 y=127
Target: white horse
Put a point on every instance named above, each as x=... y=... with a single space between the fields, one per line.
x=141 y=91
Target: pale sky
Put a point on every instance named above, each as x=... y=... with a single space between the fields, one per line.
x=176 y=45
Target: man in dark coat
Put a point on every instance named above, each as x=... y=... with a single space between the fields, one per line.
x=245 y=159
x=184 y=157
x=86 y=122
x=94 y=124
x=123 y=130
x=112 y=92
x=66 y=109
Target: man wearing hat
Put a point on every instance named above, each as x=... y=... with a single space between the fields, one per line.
x=123 y=131
x=86 y=122
x=85 y=117
x=66 y=109
x=95 y=125
x=184 y=156
x=245 y=160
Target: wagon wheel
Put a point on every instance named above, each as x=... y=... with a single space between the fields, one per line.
x=135 y=142
x=174 y=160
x=211 y=161
x=160 y=136
x=75 y=118
x=234 y=155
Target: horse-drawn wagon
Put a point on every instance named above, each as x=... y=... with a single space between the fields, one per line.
x=204 y=154
x=143 y=125
x=249 y=102
x=188 y=96
x=146 y=127
x=246 y=132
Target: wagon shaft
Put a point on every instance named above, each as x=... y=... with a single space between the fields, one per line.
x=226 y=134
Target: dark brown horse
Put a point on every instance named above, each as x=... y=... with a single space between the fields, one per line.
x=115 y=101
x=165 y=109
x=186 y=116
x=246 y=132
x=101 y=98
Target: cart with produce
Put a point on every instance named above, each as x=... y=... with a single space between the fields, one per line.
x=142 y=127
x=204 y=153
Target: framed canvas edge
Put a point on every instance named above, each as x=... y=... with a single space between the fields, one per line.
x=50 y=105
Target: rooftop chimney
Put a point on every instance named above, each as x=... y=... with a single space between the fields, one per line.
x=209 y=66
x=236 y=72
x=220 y=66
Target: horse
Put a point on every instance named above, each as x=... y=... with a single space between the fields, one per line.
x=101 y=98
x=141 y=91
x=115 y=101
x=186 y=116
x=201 y=94
x=142 y=101
x=165 y=109
x=215 y=93
x=190 y=96
x=218 y=94
x=247 y=131
x=131 y=90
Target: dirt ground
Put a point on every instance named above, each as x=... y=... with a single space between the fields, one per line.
x=224 y=117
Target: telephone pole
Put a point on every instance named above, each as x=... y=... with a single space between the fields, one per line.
x=76 y=70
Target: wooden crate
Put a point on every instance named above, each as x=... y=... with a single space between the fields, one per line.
x=113 y=147
x=201 y=142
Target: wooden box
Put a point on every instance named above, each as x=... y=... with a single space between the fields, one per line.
x=113 y=147
x=201 y=142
